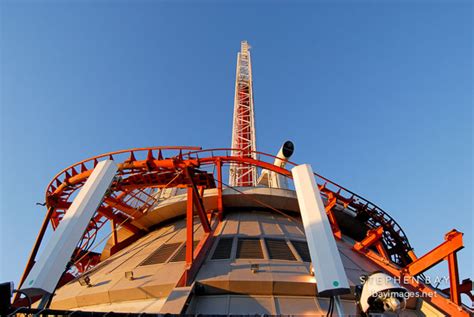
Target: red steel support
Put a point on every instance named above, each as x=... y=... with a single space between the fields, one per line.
x=243 y=130
x=381 y=250
x=114 y=231
x=198 y=204
x=189 y=228
x=135 y=176
x=331 y=202
x=408 y=274
x=452 y=244
x=199 y=256
x=374 y=237
x=454 y=291
x=123 y=207
x=124 y=222
x=108 y=213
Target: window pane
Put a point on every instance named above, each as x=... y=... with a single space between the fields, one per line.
x=279 y=250
x=248 y=248
x=181 y=254
x=161 y=254
x=302 y=249
x=223 y=249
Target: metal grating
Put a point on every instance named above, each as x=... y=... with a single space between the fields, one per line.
x=181 y=254
x=223 y=249
x=249 y=248
x=302 y=249
x=161 y=254
x=278 y=249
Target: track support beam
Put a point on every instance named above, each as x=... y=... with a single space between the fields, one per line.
x=331 y=202
x=374 y=238
x=446 y=250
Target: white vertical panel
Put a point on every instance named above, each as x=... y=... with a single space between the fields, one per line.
x=329 y=272
x=52 y=262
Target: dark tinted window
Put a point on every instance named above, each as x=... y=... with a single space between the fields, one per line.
x=161 y=254
x=302 y=249
x=279 y=250
x=249 y=248
x=181 y=254
x=223 y=249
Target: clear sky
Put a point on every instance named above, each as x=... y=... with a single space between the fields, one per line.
x=376 y=95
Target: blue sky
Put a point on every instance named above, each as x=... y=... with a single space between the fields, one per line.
x=376 y=96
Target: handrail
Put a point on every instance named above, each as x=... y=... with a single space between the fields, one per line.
x=367 y=202
x=394 y=236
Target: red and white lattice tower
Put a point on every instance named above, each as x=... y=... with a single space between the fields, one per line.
x=243 y=131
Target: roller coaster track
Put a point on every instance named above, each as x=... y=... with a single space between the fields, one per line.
x=143 y=171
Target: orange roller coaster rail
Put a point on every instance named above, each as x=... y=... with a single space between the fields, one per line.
x=142 y=171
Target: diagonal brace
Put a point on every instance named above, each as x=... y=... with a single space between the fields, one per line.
x=198 y=203
x=453 y=242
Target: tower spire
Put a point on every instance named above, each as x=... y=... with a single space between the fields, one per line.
x=243 y=131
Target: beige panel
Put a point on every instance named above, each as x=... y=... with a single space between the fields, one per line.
x=269 y=225
x=297 y=306
x=277 y=277
x=349 y=307
x=251 y=305
x=176 y=301
x=215 y=270
x=139 y=306
x=290 y=228
x=176 y=206
x=122 y=253
x=180 y=235
x=231 y=224
x=363 y=263
x=98 y=293
x=348 y=263
x=249 y=225
x=296 y=288
x=354 y=276
x=134 y=257
x=289 y=270
x=164 y=280
x=210 y=305
x=428 y=310
x=243 y=280
x=65 y=298
x=126 y=290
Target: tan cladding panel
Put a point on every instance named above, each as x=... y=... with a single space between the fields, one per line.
x=225 y=274
x=109 y=283
x=256 y=223
x=270 y=305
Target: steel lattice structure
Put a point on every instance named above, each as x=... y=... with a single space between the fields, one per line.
x=145 y=173
x=243 y=131
x=145 y=170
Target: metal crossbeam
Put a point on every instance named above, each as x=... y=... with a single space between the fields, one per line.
x=243 y=133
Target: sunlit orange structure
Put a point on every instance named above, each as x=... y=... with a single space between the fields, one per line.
x=158 y=186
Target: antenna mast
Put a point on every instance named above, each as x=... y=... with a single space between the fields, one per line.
x=243 y=131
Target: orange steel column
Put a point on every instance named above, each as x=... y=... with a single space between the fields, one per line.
x=445 y=251
x=373 y=237
x=114 y=232
x=454 y=293
x=197 y=201
x=453 y=242
x=189 y=227
x=332 y=219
